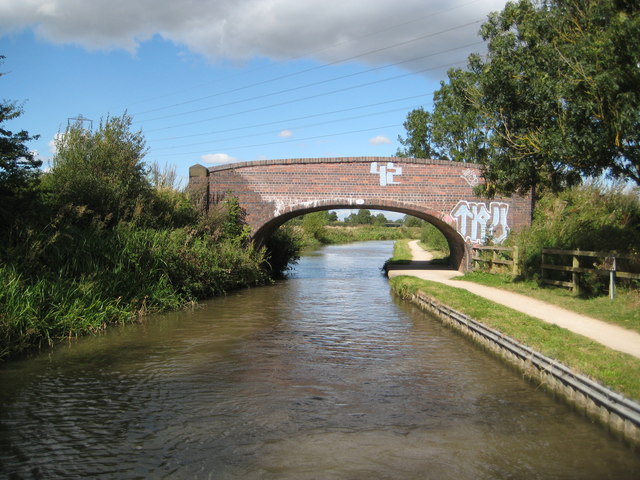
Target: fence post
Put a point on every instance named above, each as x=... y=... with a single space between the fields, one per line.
x=612 y=280
x=574 y=275
x=516 y=259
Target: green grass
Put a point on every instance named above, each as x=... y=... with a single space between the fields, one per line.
x=623 y=310
x=618 y=371
x=401 y=251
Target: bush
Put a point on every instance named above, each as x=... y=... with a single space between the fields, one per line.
x=101 y=170
x=589 y=217
x=282 y=250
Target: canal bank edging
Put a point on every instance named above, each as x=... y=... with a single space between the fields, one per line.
x=618 y=413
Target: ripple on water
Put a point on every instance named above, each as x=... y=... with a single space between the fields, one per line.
x=325 y=375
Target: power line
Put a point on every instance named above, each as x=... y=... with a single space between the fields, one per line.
x=294 y=127
x=308 y=85
x=286 y=141
x=286 y=120
x=353 y=57
x=312 y=53
x=288 y=102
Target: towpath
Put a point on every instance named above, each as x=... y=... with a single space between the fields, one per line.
x=612 y=336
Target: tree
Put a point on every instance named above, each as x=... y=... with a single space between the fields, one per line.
x=419 y=141
x=455 y=130
x=560 y=92
x=556 y=99
x=102 y=171
x=458 y=127
x=380 y=219
x=18 y=165
x=363 y=217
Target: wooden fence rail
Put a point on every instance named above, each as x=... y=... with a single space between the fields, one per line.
x=477 y=257
x=609 y=265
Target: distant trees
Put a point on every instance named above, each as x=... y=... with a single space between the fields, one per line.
x=556 y=98
x=362 y=217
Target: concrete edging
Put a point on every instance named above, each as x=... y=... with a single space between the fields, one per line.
x=618 y=413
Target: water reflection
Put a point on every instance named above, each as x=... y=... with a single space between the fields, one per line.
x=322 y=376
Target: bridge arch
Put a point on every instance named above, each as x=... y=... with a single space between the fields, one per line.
x=457 y=245
x=438 y=191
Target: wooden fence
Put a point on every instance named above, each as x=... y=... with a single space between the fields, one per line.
x=606 y=264
x=495 y=259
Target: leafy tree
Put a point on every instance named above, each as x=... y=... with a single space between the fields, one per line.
x=419 y=142
x=560 y=91
x=332 y=216
x=102 y=171
x=458 y=126
x=363 y=217
x=556 y=99
x=18 y=165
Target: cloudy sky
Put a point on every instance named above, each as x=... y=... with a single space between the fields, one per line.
x=212 y=81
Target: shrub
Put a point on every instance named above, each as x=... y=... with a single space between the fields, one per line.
x=588 y=217
x=102 y=170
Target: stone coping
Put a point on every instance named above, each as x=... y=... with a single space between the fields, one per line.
x=304 y=161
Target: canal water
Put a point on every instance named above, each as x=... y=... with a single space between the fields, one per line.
x=322 y=376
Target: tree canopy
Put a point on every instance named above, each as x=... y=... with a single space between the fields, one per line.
x=555 y=99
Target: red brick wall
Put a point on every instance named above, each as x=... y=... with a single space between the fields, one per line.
x=273 y=191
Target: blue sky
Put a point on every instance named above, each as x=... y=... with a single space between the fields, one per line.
x=234 y=80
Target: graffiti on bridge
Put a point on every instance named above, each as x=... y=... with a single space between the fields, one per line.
x=386 y=172
x=475 y=221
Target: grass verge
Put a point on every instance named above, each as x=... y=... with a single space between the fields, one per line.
x=616 y=370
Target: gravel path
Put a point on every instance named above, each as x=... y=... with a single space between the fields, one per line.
x=612 y=336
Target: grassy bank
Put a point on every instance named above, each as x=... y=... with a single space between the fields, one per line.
x=619 y=371
x=96 y=278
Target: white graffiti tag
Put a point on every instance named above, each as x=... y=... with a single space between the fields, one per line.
x=472 y=220
x=386 y=172
x=470 y=177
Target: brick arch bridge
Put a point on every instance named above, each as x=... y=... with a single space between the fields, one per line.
x=438 y=191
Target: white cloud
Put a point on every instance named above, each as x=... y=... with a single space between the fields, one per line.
x=218 y=158
x=286 y=134
x=379 y=140
x=238 y=30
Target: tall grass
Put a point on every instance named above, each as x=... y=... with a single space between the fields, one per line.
x=100 y=277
